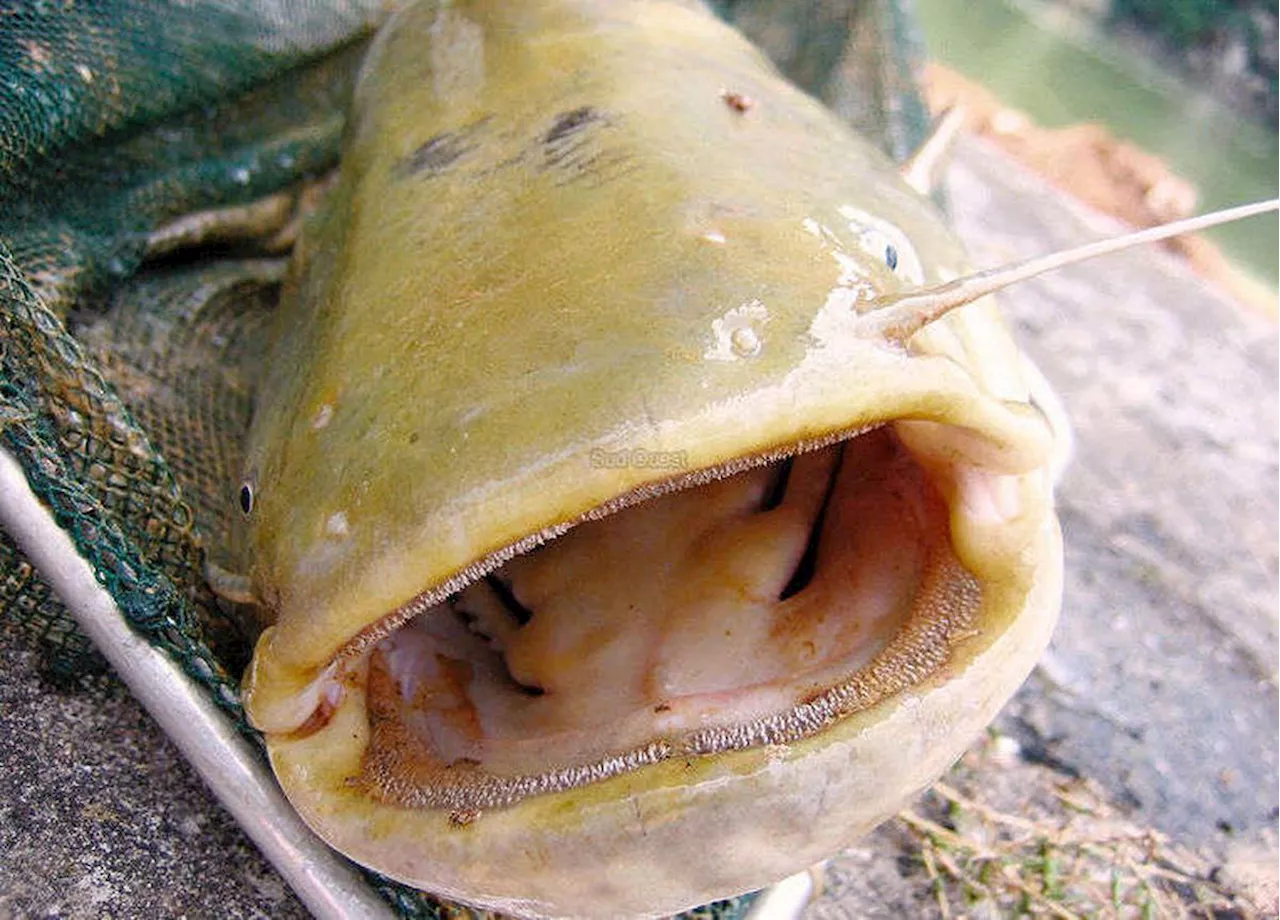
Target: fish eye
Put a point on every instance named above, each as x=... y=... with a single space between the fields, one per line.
x=246 y=496
x=883 y=240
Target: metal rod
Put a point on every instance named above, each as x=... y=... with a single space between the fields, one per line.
x=326 y=883
x=787 y=899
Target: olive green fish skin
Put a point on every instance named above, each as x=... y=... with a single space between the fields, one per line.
x=453 y=353
x=564 y=233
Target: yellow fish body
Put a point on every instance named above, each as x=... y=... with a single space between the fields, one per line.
x=617 y=562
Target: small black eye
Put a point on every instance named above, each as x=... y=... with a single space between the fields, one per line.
x=890 y=257
x=246 y=497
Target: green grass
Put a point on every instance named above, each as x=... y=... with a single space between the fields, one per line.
x=1058 y=82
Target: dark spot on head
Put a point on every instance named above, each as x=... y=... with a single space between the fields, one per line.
x=414 y=437
x=738 y=102
x=437 y=154
x=890 y=257
x=571 y=122
x=577 y=149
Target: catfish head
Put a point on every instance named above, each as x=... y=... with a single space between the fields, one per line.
x=631 y=537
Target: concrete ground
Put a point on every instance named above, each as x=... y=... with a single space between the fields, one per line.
x=1160 y=685
x=1161 y=681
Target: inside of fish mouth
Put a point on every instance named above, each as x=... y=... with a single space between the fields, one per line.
x=755 y=609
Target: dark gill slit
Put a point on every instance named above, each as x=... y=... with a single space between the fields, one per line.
x=469 y=619
x=519 y=612
x=778 y=488
x=808 y=563
x=522 y=615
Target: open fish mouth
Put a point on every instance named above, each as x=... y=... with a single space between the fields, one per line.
x=753 y=610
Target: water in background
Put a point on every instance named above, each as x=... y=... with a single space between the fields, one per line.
x=1060 y=75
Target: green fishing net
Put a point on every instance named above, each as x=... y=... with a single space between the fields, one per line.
x=154 y=158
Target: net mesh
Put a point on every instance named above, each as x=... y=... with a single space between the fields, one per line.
x=153 y=159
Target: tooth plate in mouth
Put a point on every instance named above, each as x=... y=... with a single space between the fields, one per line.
x=754 y=610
